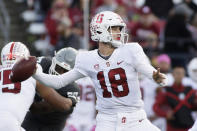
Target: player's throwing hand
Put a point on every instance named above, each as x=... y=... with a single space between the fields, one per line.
x=159 y=77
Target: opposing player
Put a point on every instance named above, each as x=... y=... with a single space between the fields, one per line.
x=42 y=116
x=113 y=68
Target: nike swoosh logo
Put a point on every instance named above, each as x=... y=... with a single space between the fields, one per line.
x=118 y=63
x=141 y=120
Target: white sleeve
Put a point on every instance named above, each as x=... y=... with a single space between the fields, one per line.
x=79 y=63
x=57 y=81
x=141 y=63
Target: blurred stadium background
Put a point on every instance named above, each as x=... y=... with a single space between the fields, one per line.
x=164 y=26
x=160 y=26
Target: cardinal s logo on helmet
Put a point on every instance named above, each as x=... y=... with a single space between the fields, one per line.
x=100 y=25
x=13 y=51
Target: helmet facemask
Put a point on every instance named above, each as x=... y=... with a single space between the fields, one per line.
x=56 y=66
x=123 y=37
x=63 y=61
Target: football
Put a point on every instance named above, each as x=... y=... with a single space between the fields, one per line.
x=23 y=69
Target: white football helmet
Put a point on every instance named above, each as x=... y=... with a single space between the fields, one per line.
x=64 y=58
x=192 y=69
x=12 y=52
x=100 y=28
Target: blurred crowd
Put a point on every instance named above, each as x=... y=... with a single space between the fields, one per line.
x=166 y=29
x=165 y=26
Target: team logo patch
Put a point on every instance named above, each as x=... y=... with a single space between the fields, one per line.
x=108 y=64
x=118 y=63
x=141 y=120
x=124 y=119
x=96 y=67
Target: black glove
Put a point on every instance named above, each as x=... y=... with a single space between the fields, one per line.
x=74 y=97
x=71 y=91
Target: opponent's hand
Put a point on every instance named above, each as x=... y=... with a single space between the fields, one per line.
x=159 y=77
x=74 y=97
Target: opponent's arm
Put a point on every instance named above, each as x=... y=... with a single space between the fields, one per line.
x=54 y=99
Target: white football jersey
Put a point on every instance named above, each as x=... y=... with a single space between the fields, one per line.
x=116 y=79
x=83 y=119
x=16 y=98
x=87 y=97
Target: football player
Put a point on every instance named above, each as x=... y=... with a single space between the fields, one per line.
x=42 y=116
x=16 y=98
x=113 y=68
x=83 y=119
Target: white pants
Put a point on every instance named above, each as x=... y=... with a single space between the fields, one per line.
x=9 y=122
x=194 y=127
x=136 y=121
x=160 y=123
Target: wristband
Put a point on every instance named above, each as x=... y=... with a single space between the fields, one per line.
x=73 y=101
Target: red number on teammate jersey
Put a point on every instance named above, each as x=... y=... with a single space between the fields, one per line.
x=6 y=80
x=122 y=80
x=99 y=18
x=87 y=92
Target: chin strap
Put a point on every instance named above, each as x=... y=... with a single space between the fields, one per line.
x=116 y=43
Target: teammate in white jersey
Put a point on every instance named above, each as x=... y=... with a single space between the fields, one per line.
x=83 y=116
x=113 y=68
x=16 y=98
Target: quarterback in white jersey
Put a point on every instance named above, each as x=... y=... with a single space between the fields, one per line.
x=15 y=98
x=113 y=68
x=83 y=116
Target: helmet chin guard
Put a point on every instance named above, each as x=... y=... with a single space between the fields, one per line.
x=100 y=25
